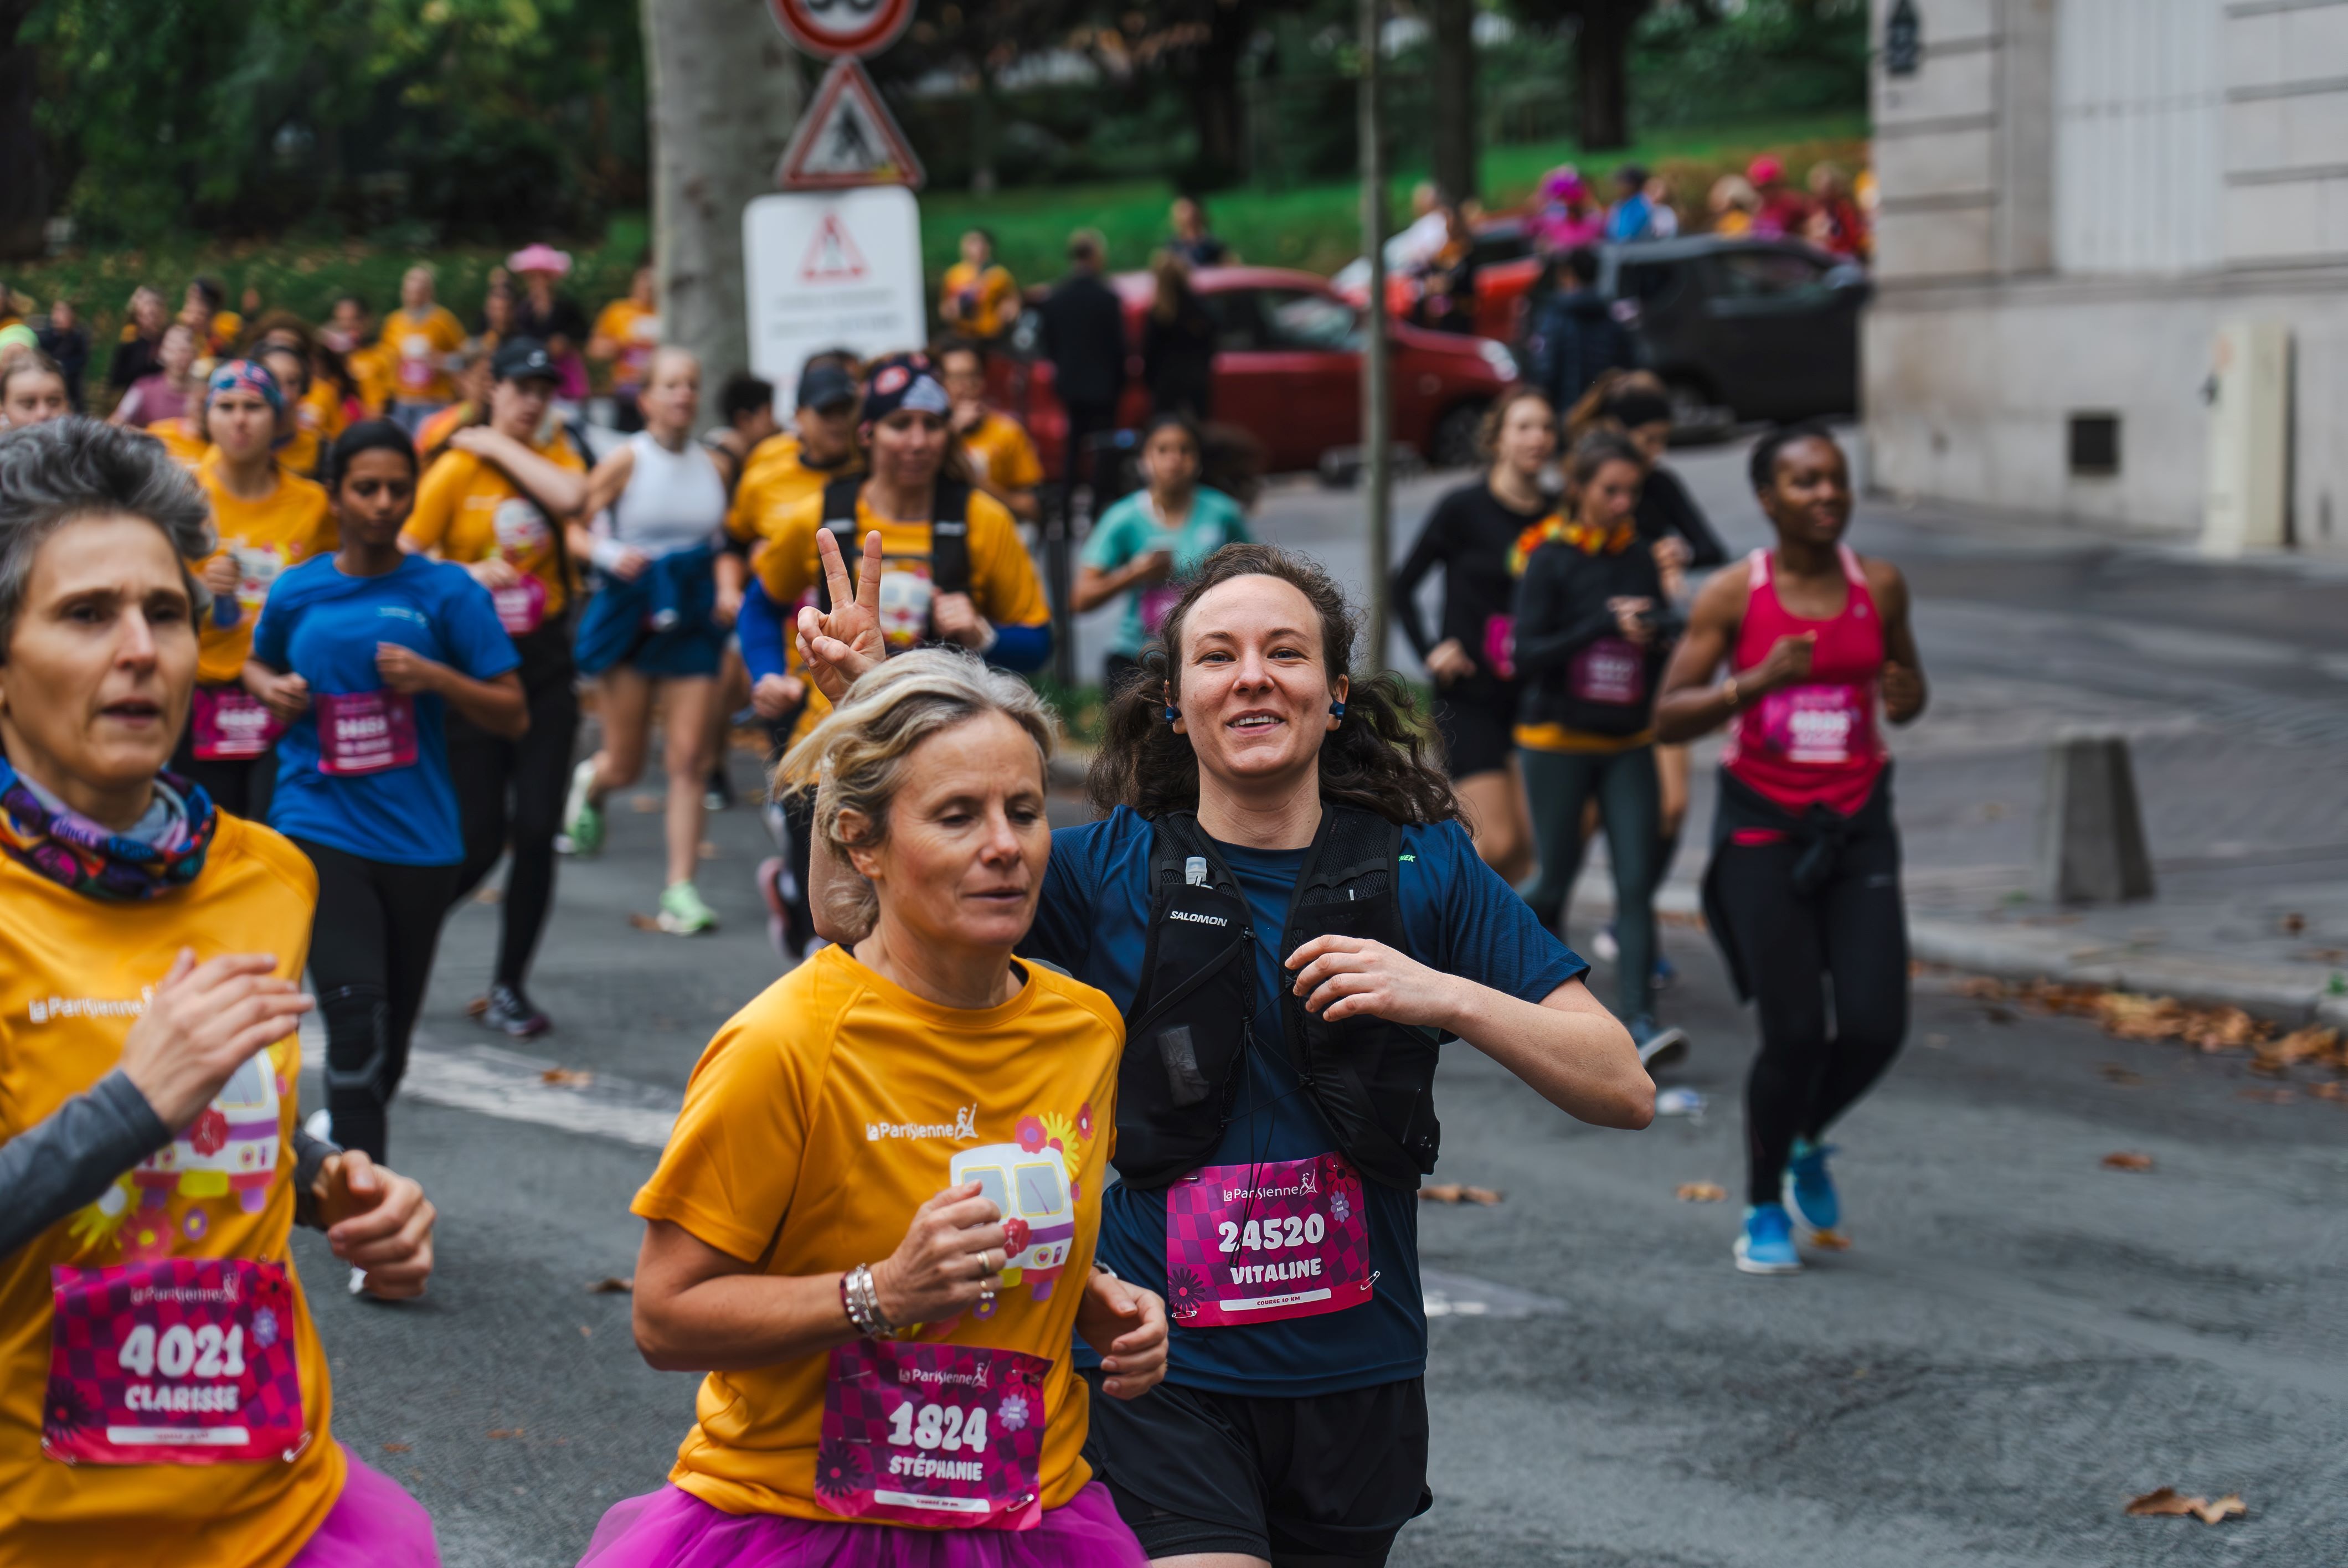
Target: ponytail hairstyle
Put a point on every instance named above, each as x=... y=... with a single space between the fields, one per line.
x=1595 y=407
x=1379 y=759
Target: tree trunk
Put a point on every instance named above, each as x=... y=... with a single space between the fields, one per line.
x=723 y=90
x=1603 y=53
x=1455 y=99
x=24 y=190
x=984 y=120
x=1215 y=97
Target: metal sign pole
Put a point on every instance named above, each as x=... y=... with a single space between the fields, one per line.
x=1377 y=443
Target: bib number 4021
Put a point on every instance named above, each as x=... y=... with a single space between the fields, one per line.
x=946 y=1426
x=1272 y=1235
x=182 y=1352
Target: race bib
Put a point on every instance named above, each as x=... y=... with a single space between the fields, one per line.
x=415 y=361
x=1500 y=645
x=230 y=724
x=1158 y=603
x=184 y=1361
x=256 y=570
x=1255 y=1244
x=1611 y=670
x=362 y=732
x=1816 y=725
x=905 y=597
x=519 y=527
x=520 y=607
x=948 y=1436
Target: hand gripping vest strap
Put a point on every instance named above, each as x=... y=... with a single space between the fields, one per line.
x=949 y=534
x=1192 y=1020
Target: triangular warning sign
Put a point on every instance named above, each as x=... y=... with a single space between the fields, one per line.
x=833 y=257
x=848 y=138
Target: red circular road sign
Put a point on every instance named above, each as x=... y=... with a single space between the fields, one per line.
x=830 y=28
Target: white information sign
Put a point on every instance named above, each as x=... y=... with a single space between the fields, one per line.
x=830 y=269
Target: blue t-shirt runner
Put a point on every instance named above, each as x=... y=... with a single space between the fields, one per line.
x=1457 y=917
x=380 y=788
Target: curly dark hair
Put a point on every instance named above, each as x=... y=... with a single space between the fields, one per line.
x=1379 y=759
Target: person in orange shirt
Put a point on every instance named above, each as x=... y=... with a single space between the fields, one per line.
x=979 y=298
x=892 y=1342
x=418 y=338
x=163 y=1392
x=315 y=410
x=476 y=381
x=268 y=521
x=1002 y=459
x=496 y=504
x=627 y=333
x=350 y=331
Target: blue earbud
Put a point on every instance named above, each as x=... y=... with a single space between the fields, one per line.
x=1172 y=713
x=1337 y=709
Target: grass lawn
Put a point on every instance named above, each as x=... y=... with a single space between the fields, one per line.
x=1314 y=227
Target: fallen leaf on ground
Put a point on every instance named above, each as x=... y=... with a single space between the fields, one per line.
x=2125 y=1161
x=612 y=1285
x=567 y=1077
x=1831 y=1241
x=2293 y=924
x=1982 y=987
x=2119 y=1074
x=489 y=895
x=2268 y=1096
x=499 y=1433
x=2168 y=1503
x=2312 y=1043
x=585 y=1332
x=1487 y=1196
x=708 y=851
x=643 y=922
x=1702 y=1192
x=1452 y=1192
x=2329 y=1091
x=477 y=1007
x=394 y=1448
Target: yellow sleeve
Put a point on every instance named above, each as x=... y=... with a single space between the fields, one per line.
x=732 y=1163
x=787 y=565
x=749 y=494
x=612 y=320
x=437 y=499
x=448 y=331
x=1019 y=468
x=1004 y=584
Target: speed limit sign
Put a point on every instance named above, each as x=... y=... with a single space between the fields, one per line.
x=829 y=30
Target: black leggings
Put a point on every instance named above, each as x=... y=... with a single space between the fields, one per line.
x=509 y=795
x=1844 y=944
x=370 y=954
x=1557 y=785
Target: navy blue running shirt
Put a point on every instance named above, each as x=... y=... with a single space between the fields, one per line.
x=323 y=625
x=1457 y=917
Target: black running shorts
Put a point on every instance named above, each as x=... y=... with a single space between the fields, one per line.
x=1324 y=1482
x=1478 y=721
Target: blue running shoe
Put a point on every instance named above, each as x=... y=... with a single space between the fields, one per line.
x=1809 y=1191
x=1666 y=972
x=1767 y=1244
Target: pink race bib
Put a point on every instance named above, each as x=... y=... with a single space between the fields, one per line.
x=230 y=724
x=1255 y=1244
x=1816 y=725
x=1158 y=603
x=184 y=1361
x=1612 y=669
x=520 y=607
x=365 y=733
x=948 y=1436
x=1500 y=645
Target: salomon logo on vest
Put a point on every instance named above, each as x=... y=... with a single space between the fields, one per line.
x=1196 y=919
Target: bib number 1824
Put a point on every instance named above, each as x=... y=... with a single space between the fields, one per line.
x=949 y=1428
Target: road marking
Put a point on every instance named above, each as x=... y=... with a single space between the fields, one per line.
x=513 y=1087
x=1462 y=1295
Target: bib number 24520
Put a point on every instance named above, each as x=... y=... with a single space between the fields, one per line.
x=1255 y=1244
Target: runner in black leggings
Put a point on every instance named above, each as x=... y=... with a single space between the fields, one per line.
x=363 y=654
x=1803 y=892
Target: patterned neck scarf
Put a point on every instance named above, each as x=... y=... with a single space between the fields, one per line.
x=72 y=851
x=1586 y=537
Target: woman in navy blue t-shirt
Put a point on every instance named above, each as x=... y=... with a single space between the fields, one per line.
x=1292 y=1424
x=362 y=655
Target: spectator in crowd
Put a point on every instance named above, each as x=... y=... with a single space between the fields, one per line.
x=1663 y=218
x=64 y=340
x=1566 y=215
x=1835 y=223
x=1084 y=337
x=203 y=308
x=420 y=337
x=137 y=355
x=350 y=331
x=1784 y=210
x=1177 y=342
x=1732 y=204
x=1446 y=300
x=553 y=318
x=170 y=390
x=494 y=324
x=1193 y=240
x=1003 y=460
x=746 y=405
x=1633 y=215
x=32 y=390
x=1429 y=229
x=979 y=299
x=1571 y=333
x=627 y=332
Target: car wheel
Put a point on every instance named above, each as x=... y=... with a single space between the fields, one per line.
x=1453 y=444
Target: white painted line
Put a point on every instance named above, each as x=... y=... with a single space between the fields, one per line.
x=513 y=1087
x=1460 y=1295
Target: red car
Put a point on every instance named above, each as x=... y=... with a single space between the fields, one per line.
x=1288 y=371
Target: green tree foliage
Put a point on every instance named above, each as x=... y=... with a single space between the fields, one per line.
x=448 y=117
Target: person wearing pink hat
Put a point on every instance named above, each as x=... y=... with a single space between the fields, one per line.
x=552 y=318
x=1784 y=208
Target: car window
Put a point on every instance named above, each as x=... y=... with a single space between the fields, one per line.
x=1758 y=274
x=1294 y=319
x=1654 y=284
x=1233 y=312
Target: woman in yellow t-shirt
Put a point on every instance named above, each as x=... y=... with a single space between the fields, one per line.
x=267 y=521
x=163 y=1394
x=313 y=406
x=627 y=334
x=977 y=297
x=418 y=339
x=862 y=1402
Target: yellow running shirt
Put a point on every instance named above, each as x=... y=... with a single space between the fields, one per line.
x=774 y=480
x=74 y=972
x=872 y=1094
x=989 y=300
x=266 y=537
x=466 y=510
x=317 y=420
x=637 y=332
x=1001 y=451
x=418 y=346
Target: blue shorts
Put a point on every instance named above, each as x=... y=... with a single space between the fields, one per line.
x=670 y=642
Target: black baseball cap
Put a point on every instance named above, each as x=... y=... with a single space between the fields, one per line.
x=826 y=386
x=524 y=359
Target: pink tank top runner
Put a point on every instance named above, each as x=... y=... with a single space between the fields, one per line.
x=1818 y=740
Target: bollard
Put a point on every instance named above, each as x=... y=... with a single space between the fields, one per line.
x=2090 y=847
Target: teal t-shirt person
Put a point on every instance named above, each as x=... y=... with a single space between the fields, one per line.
x=1176 y=516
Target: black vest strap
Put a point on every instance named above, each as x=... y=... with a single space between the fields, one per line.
x=949 y=534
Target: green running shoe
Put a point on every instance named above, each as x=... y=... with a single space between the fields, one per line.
x=681 y=912
x=582 y=819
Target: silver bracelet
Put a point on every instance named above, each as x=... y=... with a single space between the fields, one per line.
x=862 y=1302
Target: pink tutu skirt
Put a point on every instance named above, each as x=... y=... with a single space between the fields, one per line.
x=672 y=1528
x=373 y=1524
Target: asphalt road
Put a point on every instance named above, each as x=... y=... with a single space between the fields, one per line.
x=2019 y=1341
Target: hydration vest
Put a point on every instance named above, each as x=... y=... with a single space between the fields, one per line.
x=949 y=534
x=1192 y=1021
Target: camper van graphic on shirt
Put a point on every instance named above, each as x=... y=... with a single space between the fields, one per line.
x=230 y=1147
x=1031 y=1188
